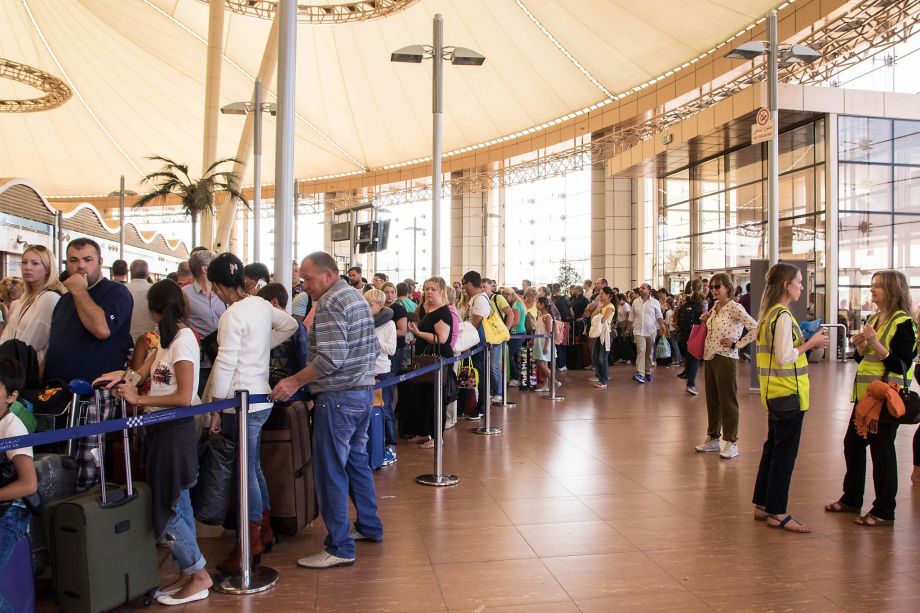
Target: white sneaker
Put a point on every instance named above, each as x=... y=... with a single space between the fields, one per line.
x=514 y=383
x=324 y=559
x=496 y=399
x=730 y=451
x=561 y=369
x=711 y=444
x=593 y=379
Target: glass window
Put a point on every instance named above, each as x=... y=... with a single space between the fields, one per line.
x=797 y=238
x=676 y=188
x=710 y=213
x=797 y=148
x=863 y=139
x=744 y=204
x=710 y=251
x=819 y=141
x=906 y=242
x=864 y=187
x=674 y=221
x=797 y=193
x=675 y=255
x=743 y=244
x=745 y=166
x=710 y=176
x=907 y=142
x=907 y=189
x=865 y=241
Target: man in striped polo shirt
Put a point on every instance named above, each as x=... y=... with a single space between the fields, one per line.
x=340 y=372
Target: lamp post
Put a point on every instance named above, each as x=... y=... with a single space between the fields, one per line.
x=121 y=193
x=776 y=54
x=243 y=108
x=458 y=56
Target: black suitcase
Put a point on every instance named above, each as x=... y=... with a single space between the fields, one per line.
x=287 y=461
x=103 y=549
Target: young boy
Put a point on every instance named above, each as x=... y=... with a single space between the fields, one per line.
x=16 y=481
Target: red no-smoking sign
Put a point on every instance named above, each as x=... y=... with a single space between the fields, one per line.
x=763 y=116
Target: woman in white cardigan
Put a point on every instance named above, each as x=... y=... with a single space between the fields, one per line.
x=246 y=333
x=30 y=316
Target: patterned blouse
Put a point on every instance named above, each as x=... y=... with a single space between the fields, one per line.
x=728 y=322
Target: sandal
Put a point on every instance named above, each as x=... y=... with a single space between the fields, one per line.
x=419 y=439
x=871 y=521
x=839 y=507
x=760 y=514
x=429 y=444
x=785 y=524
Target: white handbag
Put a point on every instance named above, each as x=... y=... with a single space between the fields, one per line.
x=467 y=338
x=597 y=326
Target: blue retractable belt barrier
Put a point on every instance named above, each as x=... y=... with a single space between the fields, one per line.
x=523 y=336
x=167 y=415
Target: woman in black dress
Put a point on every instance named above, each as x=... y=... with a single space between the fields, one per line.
x=432 y=337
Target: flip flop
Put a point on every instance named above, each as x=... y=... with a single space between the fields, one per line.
x=839 y=507
x=871 y=521
x=784 y=524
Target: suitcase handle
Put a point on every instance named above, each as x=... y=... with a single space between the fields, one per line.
x=116 y=498
x=98 y=389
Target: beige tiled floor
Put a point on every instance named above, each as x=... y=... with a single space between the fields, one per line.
x=599 y=503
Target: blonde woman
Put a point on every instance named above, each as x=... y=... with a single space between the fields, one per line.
x=30 y=316
x=724 y=323
x=517 y=328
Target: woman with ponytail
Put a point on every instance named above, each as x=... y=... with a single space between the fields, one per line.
x=171 y=450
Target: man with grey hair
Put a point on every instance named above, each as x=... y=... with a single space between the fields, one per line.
x=340 y=372
x=646 y=319
x=184 y=274
x=204 y=307
x=141 y=322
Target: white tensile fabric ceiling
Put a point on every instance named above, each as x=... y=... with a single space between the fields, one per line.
x=137 y=68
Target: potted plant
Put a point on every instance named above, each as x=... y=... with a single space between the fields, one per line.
x=196 y=195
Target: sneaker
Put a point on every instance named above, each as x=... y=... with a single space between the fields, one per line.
x=593 y=379
x=711 y=444
x=648 y=378
x=691 y=389
x=561 y=369
x=730 y=451
x=353 y=533
x=389 y=458
x=496 y=399
x=600 y=386
x=324 y=559
x=473 y=417
x=514 y=383
x=639 y=379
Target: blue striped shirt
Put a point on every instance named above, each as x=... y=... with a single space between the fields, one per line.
x=343 y=345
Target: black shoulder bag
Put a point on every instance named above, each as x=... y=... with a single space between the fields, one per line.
x=784 y=407
x=911 y=403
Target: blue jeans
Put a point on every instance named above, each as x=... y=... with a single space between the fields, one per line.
x=675 y=349
x=496 y=367
x=13 y=526
x=599 y=357
x=514 y=357
x=693 y=366
x=340 y=422
x=389 y=412
x=258 y=488
x=179 y=536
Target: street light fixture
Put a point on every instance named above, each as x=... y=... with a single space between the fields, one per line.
x=121 y=193
x=777 y=55
x=458 y=56
x=244 y=108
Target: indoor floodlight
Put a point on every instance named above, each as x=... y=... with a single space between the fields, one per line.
x=461 y=56
x=235 y=108
x=413 y=54
x=801 y=54
x=749 y=50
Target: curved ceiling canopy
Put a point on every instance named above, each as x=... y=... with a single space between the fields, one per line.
x=137 y=72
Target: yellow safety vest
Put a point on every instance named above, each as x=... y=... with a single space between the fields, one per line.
x=871 y=368
x=784 y=379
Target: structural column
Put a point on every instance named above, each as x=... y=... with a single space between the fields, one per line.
x=831 y=238
x=212 y=105
x=466 y=231
x=612 y=230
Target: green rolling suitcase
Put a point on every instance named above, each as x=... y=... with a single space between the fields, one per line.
x=103 y=550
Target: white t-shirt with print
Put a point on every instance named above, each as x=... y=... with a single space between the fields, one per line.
x=11 y=426
x=184 y=348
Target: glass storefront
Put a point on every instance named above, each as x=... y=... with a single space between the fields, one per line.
x=712 y=216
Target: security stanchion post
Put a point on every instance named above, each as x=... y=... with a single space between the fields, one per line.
x=250 y=580
x=438 y=478
x=506 y=371
x=487 y=428
x=552 y=370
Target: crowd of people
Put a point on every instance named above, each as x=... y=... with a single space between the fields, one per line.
x=217 y=325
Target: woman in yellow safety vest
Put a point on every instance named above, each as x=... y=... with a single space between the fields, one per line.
x=885 y=345
x=782 y=370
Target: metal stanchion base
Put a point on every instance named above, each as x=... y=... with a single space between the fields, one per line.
x=437 y=480
x=484 y=430
x=557 y=397
x=260 y=579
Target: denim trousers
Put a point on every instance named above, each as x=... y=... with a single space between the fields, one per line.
x=599 y=357
x=496 y=365
x=13 y=526
x=340 y=422
x=258 y=489
x=514 y=357
x=675 y=349
x=180 y=537
x=389 y=412
x=693 y=366
x=771 y=489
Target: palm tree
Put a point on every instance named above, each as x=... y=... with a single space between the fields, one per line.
x=196 y=195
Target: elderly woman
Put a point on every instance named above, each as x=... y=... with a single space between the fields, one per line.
x=30 y=316
x=725 y=323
